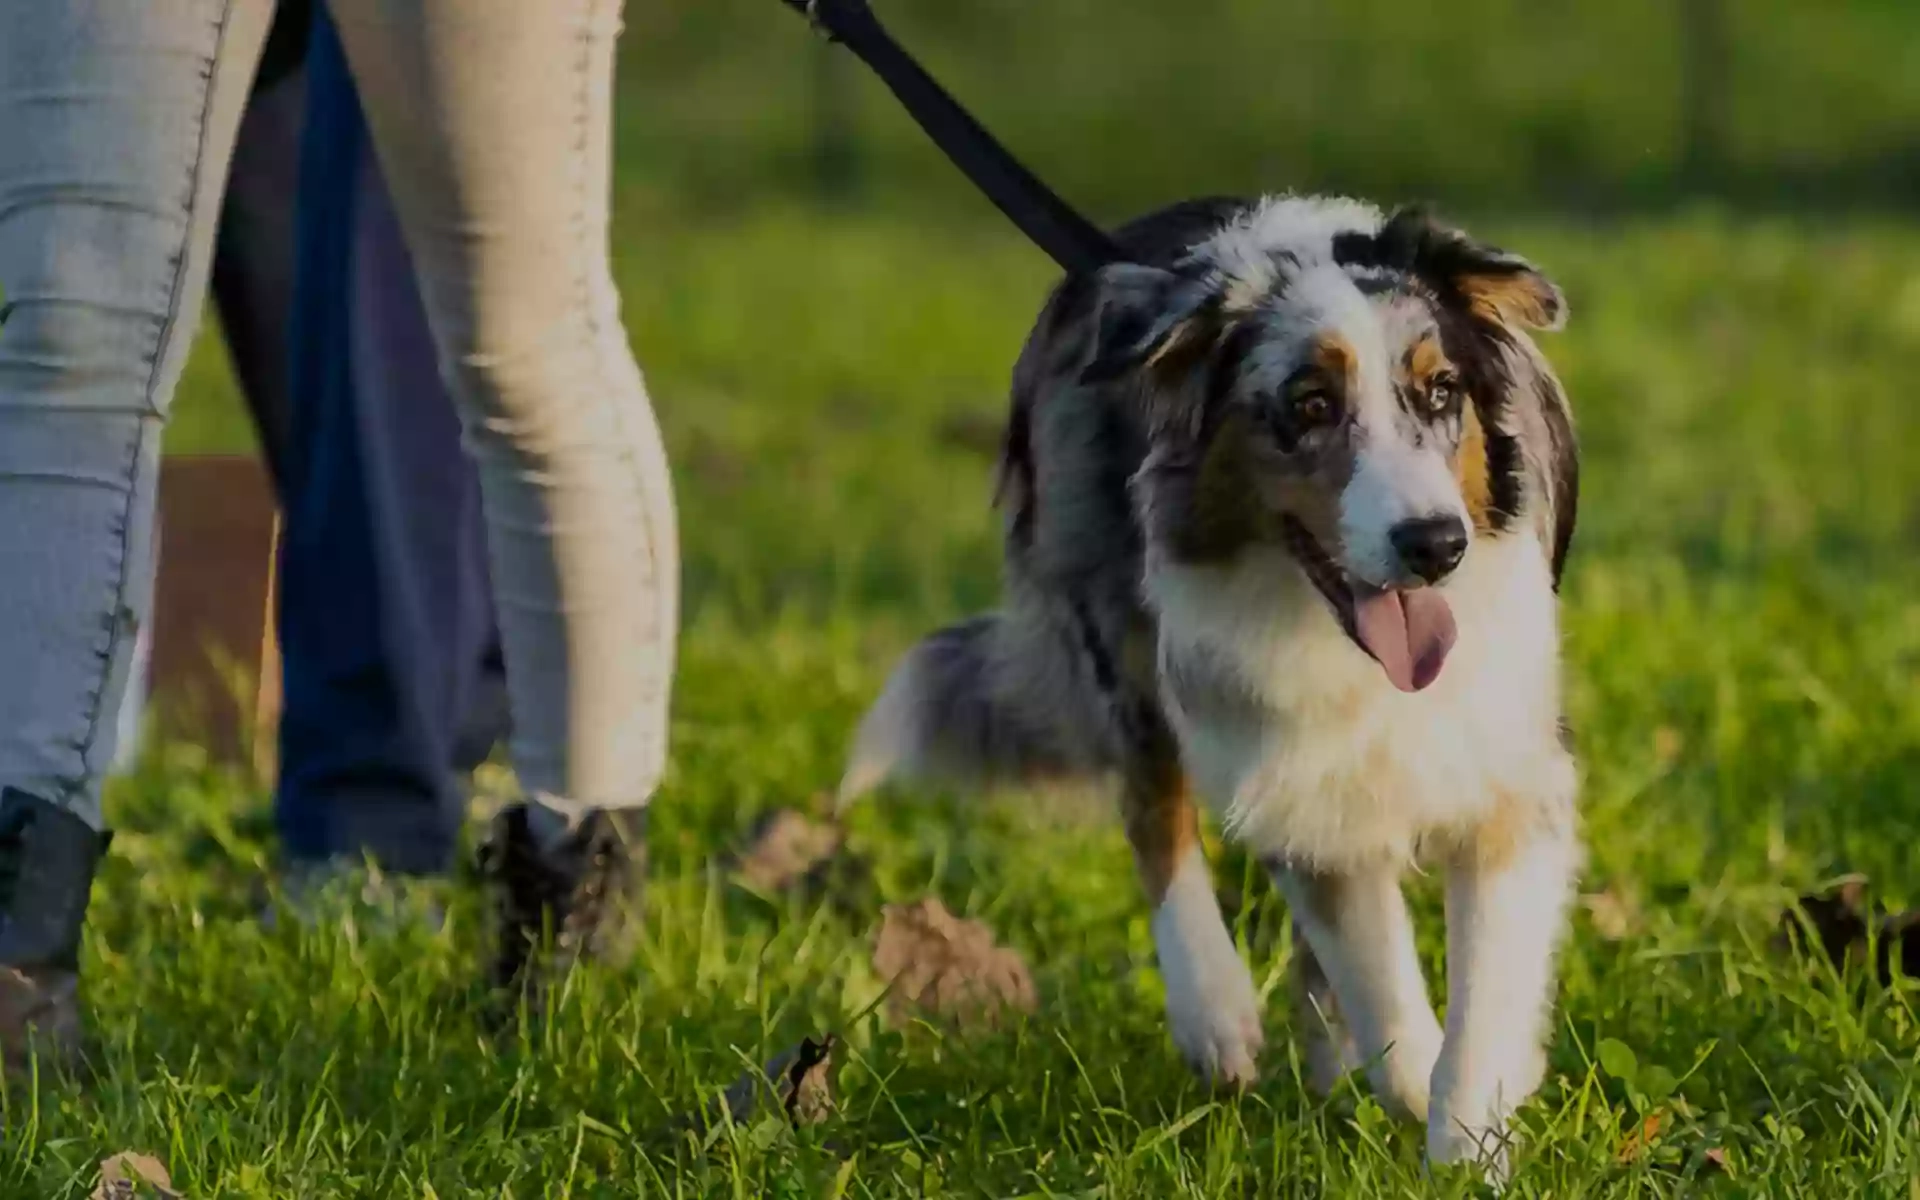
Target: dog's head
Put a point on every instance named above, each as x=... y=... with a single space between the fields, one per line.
x=1317 y=376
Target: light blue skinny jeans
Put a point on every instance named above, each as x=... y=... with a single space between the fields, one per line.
x=492 y=122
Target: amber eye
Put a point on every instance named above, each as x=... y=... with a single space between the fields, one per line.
x=1313 y=407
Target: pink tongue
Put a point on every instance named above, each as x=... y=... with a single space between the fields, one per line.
x=1408 y=633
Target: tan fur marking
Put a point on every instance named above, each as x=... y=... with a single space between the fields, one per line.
x=1492 y=842
x=1183 y=348
x=1332 y=354
x=1425 y=359
x=1471 y=469
x=1162 y=825
x=1520 y=297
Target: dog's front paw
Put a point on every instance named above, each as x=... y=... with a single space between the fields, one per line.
x=1482 y=1143
x=1212 y=1007
x=1471 y=1124
x=1404 y=1075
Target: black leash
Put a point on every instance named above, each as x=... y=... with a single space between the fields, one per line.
x=1051 y=223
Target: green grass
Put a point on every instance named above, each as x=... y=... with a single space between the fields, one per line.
x=1743 y=638
x=1493 y=103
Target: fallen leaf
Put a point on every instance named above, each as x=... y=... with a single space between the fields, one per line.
x=1900 y=940
x=1615 y=914
x=789 y=852
x=940 y=964
x=1837 y=918
x=785 y=845
x=1842 y=919
x=127 y=1175
x=799 y=1080
x=1642 y=1137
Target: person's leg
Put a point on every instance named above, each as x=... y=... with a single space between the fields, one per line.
x=379 y=675
x=116 y=121
x=252 y=280
x=492 y=120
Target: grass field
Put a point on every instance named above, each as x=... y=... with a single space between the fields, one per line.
x=1743 y=637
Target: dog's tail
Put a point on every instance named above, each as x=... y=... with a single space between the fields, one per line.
x=979 y=705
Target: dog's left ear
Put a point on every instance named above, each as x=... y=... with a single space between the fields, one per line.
x=1143 y=315
x=1493 y=283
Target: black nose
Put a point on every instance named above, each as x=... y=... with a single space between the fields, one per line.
x=1430 y=547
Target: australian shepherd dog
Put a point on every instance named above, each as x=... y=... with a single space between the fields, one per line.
x=1286 y=499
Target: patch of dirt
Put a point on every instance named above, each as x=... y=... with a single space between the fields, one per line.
x=943 y=966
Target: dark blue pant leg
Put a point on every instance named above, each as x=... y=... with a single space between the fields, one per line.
x=385 y=621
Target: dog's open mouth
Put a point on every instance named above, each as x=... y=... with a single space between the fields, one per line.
x=1408 y=632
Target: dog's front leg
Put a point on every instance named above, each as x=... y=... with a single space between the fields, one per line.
x=1507 y=897
x=1358 y=930
x=1212 y=1007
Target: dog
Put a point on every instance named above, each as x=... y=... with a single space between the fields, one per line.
x=1287 y=494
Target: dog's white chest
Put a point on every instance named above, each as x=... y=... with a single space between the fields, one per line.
x=1305 y=749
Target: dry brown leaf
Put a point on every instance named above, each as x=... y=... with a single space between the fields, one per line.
x=940 y=964
x=800 y=1080
x=1615 y=914
x=784 y=847
x=1717 y=1159
x=127 y=1175
x=1841 y=920
x=1643 y=1136
x=1900 y=939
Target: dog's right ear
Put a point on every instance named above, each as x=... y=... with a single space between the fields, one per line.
x=1143 y=315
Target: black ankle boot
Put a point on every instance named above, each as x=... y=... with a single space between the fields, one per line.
x=47 y=860
x=576 y=899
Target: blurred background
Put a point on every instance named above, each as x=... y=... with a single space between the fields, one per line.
x=1567 y=105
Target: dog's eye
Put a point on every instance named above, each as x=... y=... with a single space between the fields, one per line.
x=1443 y=395
x=1313 y=407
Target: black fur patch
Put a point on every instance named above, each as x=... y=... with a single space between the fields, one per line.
x=1165 y=237
x=1566 y=476
x=1412 y=244
x=1106 y=675
x=1014 y=486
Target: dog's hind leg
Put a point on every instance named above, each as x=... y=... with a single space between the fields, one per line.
x=1212 y=1008
x=1330 y=1052
x=1360 y=935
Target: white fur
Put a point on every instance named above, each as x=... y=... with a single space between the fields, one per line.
x=1503 y=927
x=1361 y=934
x=1212 y=1007
x=1327 y=764
x=1306 y=225
x=1393 y=481
x=1319 y=762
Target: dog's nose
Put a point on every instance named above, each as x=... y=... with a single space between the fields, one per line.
x=1430 y=547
